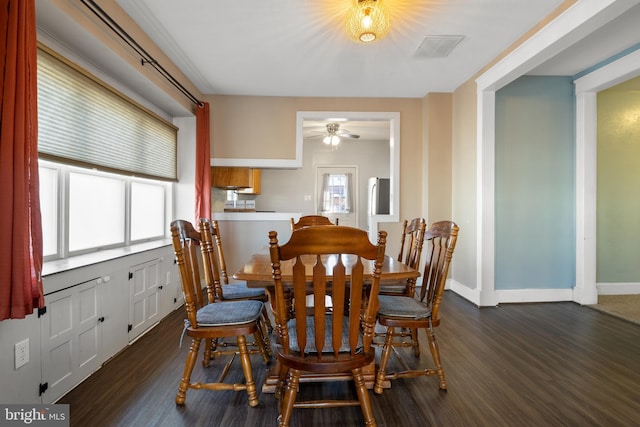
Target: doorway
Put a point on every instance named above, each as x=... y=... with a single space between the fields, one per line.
x=337 y=193
x=392 y=119
x=586 y=88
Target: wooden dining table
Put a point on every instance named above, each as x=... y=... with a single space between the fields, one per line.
x=257 y=273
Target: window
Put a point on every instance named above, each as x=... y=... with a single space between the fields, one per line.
x=98 y=210
x=336 y=193
x=92 y=140
x=49 y=209
x=147 y=200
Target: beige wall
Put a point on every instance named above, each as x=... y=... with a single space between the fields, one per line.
x=464 y=181
x=264 y=127
x=253 y=127
x=438 y=110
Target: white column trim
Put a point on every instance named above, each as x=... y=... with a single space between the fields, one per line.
x=485 y=180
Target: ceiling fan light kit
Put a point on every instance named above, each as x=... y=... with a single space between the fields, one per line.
x=331 y=140
x=367 y=21
x=331 y=133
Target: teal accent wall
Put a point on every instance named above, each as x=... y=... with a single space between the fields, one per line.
x=618 y=184
x=535 y=184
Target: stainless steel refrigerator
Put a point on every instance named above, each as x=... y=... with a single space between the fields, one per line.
x=379 y=196
x=379 y=202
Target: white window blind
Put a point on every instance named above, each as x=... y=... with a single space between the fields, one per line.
x=86 y=123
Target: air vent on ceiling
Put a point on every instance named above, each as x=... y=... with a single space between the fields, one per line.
x=437 y=46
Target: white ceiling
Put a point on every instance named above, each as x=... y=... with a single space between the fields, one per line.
x=298 y=48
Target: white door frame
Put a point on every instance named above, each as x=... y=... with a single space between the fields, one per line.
x=623 y=69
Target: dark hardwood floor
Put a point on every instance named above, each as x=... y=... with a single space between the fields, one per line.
x=551 y=364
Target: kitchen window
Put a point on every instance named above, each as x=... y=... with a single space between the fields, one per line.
x=336 y=193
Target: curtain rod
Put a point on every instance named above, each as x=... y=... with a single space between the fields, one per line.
x=146 y=58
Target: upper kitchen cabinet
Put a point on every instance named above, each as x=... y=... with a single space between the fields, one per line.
x=245 y=180
x=255 y=132
x=255 y=183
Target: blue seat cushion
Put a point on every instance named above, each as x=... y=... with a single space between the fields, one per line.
x=396 y=306
x=311 y=345
x=229 y=313
x=240 y=290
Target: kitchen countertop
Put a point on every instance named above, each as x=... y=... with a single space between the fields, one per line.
x=255 y=216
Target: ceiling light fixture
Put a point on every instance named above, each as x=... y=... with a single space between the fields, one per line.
x=331 y=138
x=367 y=21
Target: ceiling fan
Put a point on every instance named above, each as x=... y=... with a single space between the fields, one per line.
x=333 y=134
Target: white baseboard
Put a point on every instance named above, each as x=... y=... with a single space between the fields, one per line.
x=618 y=288
x=511 y=295
x=538 y=295
x=534 y=295
x=466 y=292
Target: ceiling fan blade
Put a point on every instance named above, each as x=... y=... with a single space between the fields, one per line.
x=343 y=134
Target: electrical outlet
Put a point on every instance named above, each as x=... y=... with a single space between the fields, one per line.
x=22 y=353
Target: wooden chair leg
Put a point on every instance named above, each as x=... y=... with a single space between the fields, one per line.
x=363 y=397
x=248 y=372
x=415 y=342
x=264 y=334
x=289 y=398
x=264 y=351
x=208 y=344
x=267 y=320
x=384 y=360
x=281 y=373
x=188 y=368
x=435 y=354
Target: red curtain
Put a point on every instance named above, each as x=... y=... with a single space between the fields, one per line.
x=20 y=221
x=203 y=164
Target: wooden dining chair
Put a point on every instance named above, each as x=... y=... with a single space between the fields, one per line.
x=411 y=313
x=328 y=341
x=310 y=220
x=225 y=291
x=411 y=240
x=209 y=319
